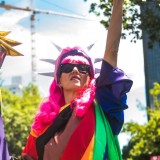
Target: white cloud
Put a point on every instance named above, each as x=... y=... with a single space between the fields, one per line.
x=12 y=18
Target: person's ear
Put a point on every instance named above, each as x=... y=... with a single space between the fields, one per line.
x=60 y=84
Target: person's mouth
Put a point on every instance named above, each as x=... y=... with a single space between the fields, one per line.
x=75 y=78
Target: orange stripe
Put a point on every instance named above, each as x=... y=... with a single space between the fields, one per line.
x=33 y=132
x=88 y=155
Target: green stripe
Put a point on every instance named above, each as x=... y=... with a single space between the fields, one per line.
x=100 y=137
x=103 y=126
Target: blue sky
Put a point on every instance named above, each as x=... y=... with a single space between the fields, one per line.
x=67 y=32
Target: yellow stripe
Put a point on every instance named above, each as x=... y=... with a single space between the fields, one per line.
x=88 y=155
x=62 y=108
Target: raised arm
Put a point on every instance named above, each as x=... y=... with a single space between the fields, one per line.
x=114 y=34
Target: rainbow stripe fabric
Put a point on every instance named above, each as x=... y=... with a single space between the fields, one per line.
x=103 y=140
x=91 y=140
x=103 y=145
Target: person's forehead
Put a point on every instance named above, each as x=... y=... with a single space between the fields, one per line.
x=75 y=59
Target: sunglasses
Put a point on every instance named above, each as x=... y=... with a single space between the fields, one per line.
x=68 y=67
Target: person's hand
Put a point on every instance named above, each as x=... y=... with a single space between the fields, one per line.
x=26 y=157
x=13 y=158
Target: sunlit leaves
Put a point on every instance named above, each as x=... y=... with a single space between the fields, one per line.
x=138 y=15
x=155 y=92
x=18 y=113
x=145 y=139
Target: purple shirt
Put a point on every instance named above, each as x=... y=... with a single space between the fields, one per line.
x=111 y=88
x=4 y=154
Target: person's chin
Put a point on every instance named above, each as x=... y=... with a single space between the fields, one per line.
x=77 y=86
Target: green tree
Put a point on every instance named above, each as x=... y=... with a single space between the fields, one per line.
x=18 y=113
x=138 y=15
x=145 y=139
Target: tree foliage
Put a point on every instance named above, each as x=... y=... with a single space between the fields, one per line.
x=18 y=113
x=138 y=15
x=145 y=139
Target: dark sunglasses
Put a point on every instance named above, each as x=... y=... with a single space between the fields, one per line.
x=82 y=68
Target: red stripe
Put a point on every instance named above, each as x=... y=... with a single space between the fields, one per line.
x=30 y=148
x=81 y=137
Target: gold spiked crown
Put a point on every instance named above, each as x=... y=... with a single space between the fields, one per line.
x=7 y=44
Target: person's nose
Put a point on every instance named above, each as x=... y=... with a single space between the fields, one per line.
x=75 y=70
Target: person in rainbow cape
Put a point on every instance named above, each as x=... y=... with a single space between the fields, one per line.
x=83 y=115
x=6 y=49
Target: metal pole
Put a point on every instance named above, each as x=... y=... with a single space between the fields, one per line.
x=33 y=40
